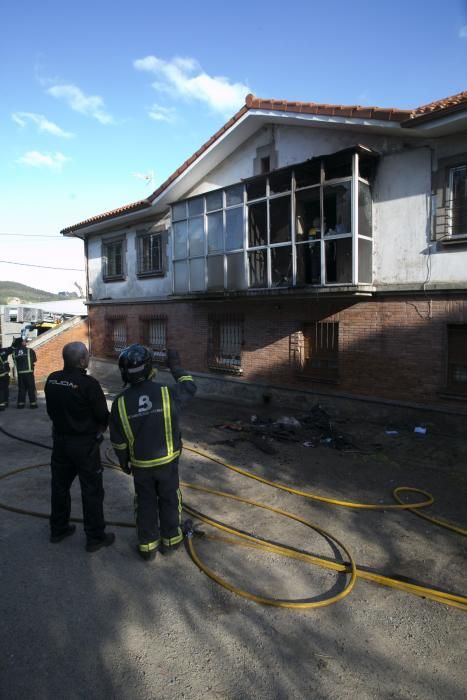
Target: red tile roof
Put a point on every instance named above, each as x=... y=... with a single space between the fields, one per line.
x=407 y=117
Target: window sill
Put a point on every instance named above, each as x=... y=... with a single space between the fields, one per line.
x=143 y=275
x=225 y=370
x=453 y=395
x=119 y=278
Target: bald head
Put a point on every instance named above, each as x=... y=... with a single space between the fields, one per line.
x=75 y=355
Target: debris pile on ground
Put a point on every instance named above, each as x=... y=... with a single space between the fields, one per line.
x=311 y=429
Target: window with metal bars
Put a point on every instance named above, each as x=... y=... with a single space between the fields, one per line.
x=320 y=350
x=149 y=254
x=154 y=335
x=113 y=260
x=225 y=340
x=116 y=335
x=457 y=359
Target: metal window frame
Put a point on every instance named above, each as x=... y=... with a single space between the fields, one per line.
x=105 y=243
x=154 y=272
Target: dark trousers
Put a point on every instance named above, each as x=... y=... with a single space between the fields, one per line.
x=158 y=505
x=4 y=391
x=71 y=456
x=26 y=385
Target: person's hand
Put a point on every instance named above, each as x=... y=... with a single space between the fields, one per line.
x=173 y=359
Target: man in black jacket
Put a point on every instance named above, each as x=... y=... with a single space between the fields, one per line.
x=77 y=407
x=25 y=359
x=4 y=377
x=145 y=434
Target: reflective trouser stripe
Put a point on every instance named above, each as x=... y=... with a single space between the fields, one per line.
x=173 y=540
x=150 y=546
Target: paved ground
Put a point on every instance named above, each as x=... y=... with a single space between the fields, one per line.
x=107 y=625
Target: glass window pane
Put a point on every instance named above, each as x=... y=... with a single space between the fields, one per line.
x=338 y=258
x=309 y=263
x=281 y=266
x=459 y=201
x=180 y=239
x=257 y=224
x=179 y=211
x=181 y=277
x=215 y=231
x=234 y=195
x=337 y=209
x=234 y=228
x=257 y=263
x=196 y=236
x=216 y=272
x=280 y=182
x=195 y=206
x=279 y=220
x=235 y=272
x=308 y=226
x=365 y=261
x=338 y=166
x=308 y=173
x=256 y=189
x=214 y=200
x=197 y=281
x=364 y=210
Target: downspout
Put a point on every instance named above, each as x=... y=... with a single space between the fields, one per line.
x=85 y=241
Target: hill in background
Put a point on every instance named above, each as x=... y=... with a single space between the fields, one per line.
x=28 y=295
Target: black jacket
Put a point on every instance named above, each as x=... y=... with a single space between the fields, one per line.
x=75 y=403
x=4 y=364
x=24 y=359
x=144 y=421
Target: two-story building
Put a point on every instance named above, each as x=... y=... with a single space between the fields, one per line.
x=308 y=246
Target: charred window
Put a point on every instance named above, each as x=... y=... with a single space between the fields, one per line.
x=225 y=340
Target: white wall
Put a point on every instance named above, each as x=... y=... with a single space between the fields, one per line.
x=132 y=287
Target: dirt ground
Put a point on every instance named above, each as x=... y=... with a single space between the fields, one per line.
x=108 y=625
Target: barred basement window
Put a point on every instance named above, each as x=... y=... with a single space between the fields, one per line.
x=154 y=334
x=457 y=359
x=314 y=351
x=117 y=335
x=225 y=342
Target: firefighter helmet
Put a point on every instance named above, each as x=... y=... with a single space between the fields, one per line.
x=135 y=363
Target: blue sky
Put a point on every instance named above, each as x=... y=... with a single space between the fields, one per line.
x=102 y=100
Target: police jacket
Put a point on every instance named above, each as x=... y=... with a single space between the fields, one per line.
x=75 y=403
x=144 y=421
x=4 y=364
x=24 y=359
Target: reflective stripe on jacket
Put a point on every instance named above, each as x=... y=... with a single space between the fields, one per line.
x=144 y=421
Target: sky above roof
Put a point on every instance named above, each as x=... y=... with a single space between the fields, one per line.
x=102 y=101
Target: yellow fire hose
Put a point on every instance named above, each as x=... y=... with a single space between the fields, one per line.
x=247 y=540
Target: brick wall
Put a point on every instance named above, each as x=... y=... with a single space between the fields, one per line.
x=389 y=348
x=49 y=354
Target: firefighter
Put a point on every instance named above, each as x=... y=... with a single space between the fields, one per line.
x=4 y=377
x=145 y=434
x=77 y=407
x=25 y=359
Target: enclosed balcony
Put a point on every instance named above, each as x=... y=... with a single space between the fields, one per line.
x=307 y=225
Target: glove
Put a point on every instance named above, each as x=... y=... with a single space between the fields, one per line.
x=173 y=359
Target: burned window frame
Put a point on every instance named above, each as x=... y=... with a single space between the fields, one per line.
x=324 y=335
x=266 y=191
x=107 y=245
x=217 y=360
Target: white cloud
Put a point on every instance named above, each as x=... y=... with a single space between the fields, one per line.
x=184 y=77
x=36 y=159
x=90 y=105
x=147 y=177
x=42 y=123
x=463 y=32
x=162 y=114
